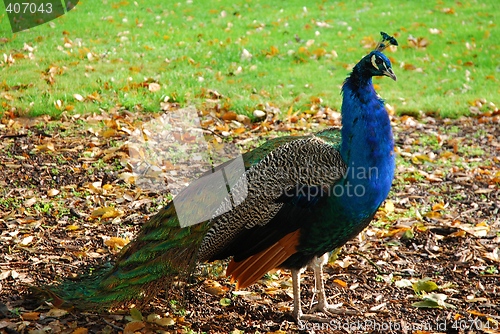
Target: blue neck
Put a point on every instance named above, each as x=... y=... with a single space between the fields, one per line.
x=367 y=148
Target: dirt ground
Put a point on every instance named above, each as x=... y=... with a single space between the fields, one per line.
x=429 y=263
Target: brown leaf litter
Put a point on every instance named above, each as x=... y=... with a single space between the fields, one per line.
x=429 y=262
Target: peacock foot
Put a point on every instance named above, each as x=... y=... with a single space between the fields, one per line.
x=328 y=309
x=325 y=308
x=301 y=317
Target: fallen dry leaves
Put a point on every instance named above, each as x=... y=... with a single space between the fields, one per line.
x=71 y=199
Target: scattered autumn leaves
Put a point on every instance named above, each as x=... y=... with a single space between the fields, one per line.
x=84 y=202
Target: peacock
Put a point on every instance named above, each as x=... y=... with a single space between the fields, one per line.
x=304 y=196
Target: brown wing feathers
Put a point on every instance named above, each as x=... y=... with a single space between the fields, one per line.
x=250 y=270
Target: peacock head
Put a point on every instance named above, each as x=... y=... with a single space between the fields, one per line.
x=377 y=64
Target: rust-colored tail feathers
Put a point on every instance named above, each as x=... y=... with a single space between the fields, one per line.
x=250 y=270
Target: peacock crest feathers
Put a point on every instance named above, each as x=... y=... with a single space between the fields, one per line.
x=385 y=42
x=373 y=64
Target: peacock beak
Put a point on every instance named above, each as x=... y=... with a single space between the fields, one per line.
x=390 y=73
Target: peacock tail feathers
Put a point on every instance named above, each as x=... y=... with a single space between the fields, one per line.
x=161 y=252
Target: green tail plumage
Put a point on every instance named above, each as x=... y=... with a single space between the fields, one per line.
x=161 y=251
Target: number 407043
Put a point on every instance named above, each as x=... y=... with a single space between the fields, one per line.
x=29 y=8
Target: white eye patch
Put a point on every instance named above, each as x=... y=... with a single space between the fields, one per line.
x=373 y=61
x=373 y=58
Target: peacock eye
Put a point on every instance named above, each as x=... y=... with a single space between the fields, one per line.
x=377 y=62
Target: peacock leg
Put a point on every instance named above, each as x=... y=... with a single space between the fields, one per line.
x=323 y=305
x=297 y=309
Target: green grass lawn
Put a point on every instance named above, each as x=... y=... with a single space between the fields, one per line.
x=108 y=51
